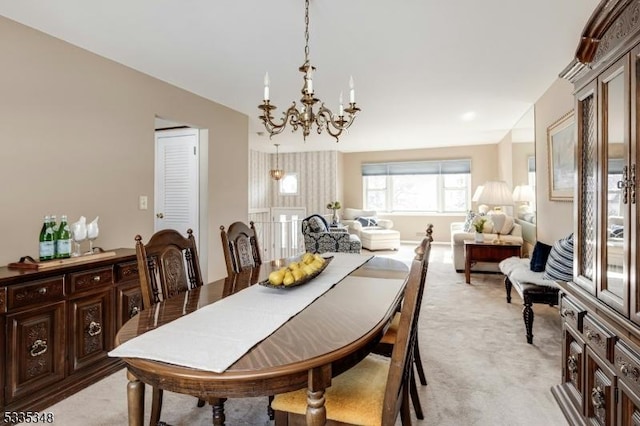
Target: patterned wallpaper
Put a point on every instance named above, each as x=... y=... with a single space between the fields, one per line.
x=317 y=180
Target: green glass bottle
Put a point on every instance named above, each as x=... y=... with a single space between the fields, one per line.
x=47 y=249
x=54 y=227
x=63 y=239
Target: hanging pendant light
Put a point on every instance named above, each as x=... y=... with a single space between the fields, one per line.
x=306 y=116
x=277 y=173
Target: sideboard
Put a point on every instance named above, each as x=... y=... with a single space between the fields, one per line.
x=58 y=324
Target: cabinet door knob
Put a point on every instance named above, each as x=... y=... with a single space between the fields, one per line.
x=39 y=347
x=134 y=311
x=159 y=215
x=94 y=329
x=568 y=313
x=627 y=371
x=96 y=278
x=42 y=291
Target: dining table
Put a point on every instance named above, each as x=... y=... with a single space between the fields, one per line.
x=330 y=335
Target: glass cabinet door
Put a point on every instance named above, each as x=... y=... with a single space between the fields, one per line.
x=614 y=176
x=586 y=195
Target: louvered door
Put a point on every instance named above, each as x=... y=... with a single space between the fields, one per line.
x=176 y=181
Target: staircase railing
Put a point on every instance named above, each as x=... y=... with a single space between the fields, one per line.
x=278 y=239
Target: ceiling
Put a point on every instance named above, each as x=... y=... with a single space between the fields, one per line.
x=418 y=65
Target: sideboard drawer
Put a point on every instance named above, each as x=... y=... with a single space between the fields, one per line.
x=93 y=278
x=598 y=338
x=126 y=271
x=627 y=366
x=572 y=313
x=35 y=292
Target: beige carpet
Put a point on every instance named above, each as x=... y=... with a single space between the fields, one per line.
x=480 y=369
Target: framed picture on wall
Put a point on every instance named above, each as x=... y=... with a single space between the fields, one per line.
x=561 y=140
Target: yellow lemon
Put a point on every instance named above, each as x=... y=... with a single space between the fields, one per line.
x=297 y=274
x=308 y=269
x=276 y=278
x=293 y=265
x=288 y=279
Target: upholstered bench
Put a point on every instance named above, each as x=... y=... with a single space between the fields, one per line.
x=531 y=286
x=380 y=239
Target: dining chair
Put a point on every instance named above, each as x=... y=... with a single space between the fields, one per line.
x=168 y=265
x=374 y=391
x=242 y=254
x=385 y=346
x=240 y=247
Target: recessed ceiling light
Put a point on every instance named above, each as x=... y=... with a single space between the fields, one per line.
x=468 y=116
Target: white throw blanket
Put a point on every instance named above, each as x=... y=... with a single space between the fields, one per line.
x=215 y=336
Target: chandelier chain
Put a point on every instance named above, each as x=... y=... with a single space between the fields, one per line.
x=306 y=32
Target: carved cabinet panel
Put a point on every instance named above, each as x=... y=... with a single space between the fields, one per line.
x=35 y=350
x=629 y=412
x=91 y=331
x=600 y=391
x=573 y=365
x=129 y=302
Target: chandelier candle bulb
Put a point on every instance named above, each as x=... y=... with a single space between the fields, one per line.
x=266 y=87
x=352 y=91
x=341 y=107
x=310 y=80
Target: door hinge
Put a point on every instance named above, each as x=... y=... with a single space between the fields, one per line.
x=194 y=150
x=615 y=395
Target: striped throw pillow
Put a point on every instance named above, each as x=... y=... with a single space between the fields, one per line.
x=560 y=262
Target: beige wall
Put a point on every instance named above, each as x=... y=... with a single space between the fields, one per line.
x=77 y=138
x=554 y=218
x=484 y=159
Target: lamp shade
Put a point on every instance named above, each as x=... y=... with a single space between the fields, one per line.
x=523 y=193
x=496 y=193
x=476 y=195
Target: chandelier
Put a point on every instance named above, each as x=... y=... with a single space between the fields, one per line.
x=277 y=173
x=306 y=116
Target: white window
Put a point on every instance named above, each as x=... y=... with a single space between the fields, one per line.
x=289 y=184
x=424 y=186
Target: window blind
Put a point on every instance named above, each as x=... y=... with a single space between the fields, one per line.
x=417 y=168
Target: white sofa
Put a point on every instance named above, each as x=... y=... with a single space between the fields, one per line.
x=378 y=237
x=458 y=236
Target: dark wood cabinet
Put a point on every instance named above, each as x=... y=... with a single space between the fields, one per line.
x=36 y=350
x=58 y=324
x=91 y=330
x=600 y=306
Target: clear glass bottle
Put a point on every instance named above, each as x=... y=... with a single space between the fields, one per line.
x=47 y=249
x=63 y=239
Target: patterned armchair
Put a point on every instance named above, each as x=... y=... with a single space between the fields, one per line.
x=319 y=238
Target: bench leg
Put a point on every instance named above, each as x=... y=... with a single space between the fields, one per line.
x=507 y=286
x=527 y=314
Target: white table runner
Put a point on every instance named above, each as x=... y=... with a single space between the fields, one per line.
x=216 y=336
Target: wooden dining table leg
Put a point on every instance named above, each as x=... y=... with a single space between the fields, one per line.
x=135 y=400
x=319 y=380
